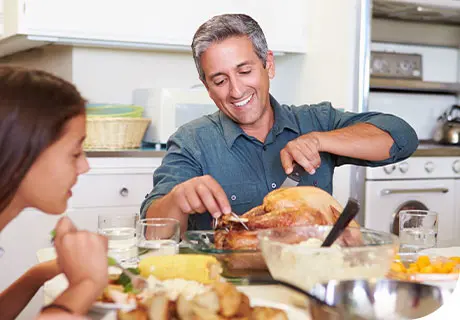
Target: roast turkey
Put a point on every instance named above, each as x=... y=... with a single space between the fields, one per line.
x=295 y=206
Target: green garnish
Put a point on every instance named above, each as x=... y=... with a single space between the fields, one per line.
x=125 y=281
x=53 y=234
x=111 y=261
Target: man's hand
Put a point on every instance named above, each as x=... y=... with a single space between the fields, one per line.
x=201 y=194
x=304 y=150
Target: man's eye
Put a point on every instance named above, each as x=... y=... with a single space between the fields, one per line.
x=77 y=155
x=219 y=83
x=245 y=72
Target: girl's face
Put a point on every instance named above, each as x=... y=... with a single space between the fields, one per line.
x=47 y=185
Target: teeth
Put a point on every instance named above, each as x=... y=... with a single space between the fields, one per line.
x=242 y=103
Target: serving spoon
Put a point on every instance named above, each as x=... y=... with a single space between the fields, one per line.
x=350 y=211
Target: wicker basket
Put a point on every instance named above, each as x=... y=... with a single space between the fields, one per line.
x=114 y=133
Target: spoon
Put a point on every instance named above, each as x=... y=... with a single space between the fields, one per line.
x=350 y=211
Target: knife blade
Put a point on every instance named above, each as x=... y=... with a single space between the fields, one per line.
x=293 y=179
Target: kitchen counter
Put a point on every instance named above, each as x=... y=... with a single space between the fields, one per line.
x=425 y=149
x=125 y=153
x=429 y=149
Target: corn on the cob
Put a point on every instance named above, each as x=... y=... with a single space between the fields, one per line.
x=202 y=268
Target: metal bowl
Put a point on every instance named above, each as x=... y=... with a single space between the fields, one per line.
x=376 y=299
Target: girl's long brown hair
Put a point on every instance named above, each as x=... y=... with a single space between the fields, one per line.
x=34 y=108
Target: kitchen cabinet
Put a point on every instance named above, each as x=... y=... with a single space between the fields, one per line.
x=142 y=24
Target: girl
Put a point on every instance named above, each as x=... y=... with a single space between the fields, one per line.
x=42 y=128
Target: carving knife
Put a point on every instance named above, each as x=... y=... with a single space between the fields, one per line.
x=293 y=178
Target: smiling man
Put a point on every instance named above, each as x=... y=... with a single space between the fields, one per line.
x=230 y=160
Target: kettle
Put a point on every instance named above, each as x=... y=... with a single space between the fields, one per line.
x=447 y=130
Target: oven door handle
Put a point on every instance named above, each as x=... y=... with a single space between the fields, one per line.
x=386 y=192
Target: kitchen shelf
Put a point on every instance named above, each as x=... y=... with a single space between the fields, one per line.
x=413 y=86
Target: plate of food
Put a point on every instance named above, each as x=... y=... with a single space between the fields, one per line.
x=185 y=300
x=185 y=287
x=437 y=266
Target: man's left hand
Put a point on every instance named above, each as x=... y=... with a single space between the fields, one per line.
x=304 y=150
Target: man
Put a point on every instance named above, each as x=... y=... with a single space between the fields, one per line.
x=230 y=160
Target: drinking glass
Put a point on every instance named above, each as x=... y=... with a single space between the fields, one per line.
x=121 y=233
x=418 y=230
x=157 y=236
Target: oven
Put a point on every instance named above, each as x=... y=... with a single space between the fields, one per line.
x=426 y=183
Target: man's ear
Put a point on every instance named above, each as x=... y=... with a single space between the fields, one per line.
x=270 y=64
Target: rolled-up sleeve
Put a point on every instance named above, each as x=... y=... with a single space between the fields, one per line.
x=404 y=136
x=178 y=165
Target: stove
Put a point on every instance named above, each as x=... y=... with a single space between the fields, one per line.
x=427 y=183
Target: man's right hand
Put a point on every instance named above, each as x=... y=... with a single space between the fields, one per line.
x=201 y=194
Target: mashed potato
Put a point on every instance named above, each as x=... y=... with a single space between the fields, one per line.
x=306 y=264
x=175 y=287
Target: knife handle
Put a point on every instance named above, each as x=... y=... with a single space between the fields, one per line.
x=297 y=172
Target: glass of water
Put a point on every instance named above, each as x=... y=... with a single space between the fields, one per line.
x=157 y=236
x=418 y=230
x=121 y=233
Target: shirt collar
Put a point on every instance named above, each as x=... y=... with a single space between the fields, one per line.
x=231 y=130
x=283 y=120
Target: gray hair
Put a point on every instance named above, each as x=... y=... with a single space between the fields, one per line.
x=222 y=27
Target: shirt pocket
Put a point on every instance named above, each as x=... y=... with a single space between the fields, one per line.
x=321 y=179
x=241 y=196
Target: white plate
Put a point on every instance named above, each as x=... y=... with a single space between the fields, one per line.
x=292 y=313
x=104 y=307
x=444 y=252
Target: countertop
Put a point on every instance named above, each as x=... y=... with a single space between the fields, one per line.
x=425 y=149
x=430 y=149
x=125 y=153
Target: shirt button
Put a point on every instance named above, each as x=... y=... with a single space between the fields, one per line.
x=233 y=197
x=265 y=148
x=273 y=185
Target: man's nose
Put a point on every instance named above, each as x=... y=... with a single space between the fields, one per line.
x=236 y=90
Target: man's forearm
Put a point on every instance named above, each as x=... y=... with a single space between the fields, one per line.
x=361 y=141
x=166 y=208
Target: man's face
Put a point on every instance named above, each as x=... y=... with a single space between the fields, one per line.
x=237 y=81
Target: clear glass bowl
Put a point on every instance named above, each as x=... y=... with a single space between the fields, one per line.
x=359 y=253
x=235 y=263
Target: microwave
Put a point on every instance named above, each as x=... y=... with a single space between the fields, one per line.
x=170 y=108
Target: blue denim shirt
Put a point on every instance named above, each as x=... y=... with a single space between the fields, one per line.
x=248 y=169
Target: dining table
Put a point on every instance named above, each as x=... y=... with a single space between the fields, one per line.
x=277 y=296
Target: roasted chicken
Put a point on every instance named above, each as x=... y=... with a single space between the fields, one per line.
x=283 y=207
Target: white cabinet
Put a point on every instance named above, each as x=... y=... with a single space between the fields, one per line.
x=113 y=189
x=148 y=24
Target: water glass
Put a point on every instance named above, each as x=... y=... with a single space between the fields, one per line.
x=157 y=236
x=418 y=230
x=121 y=233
